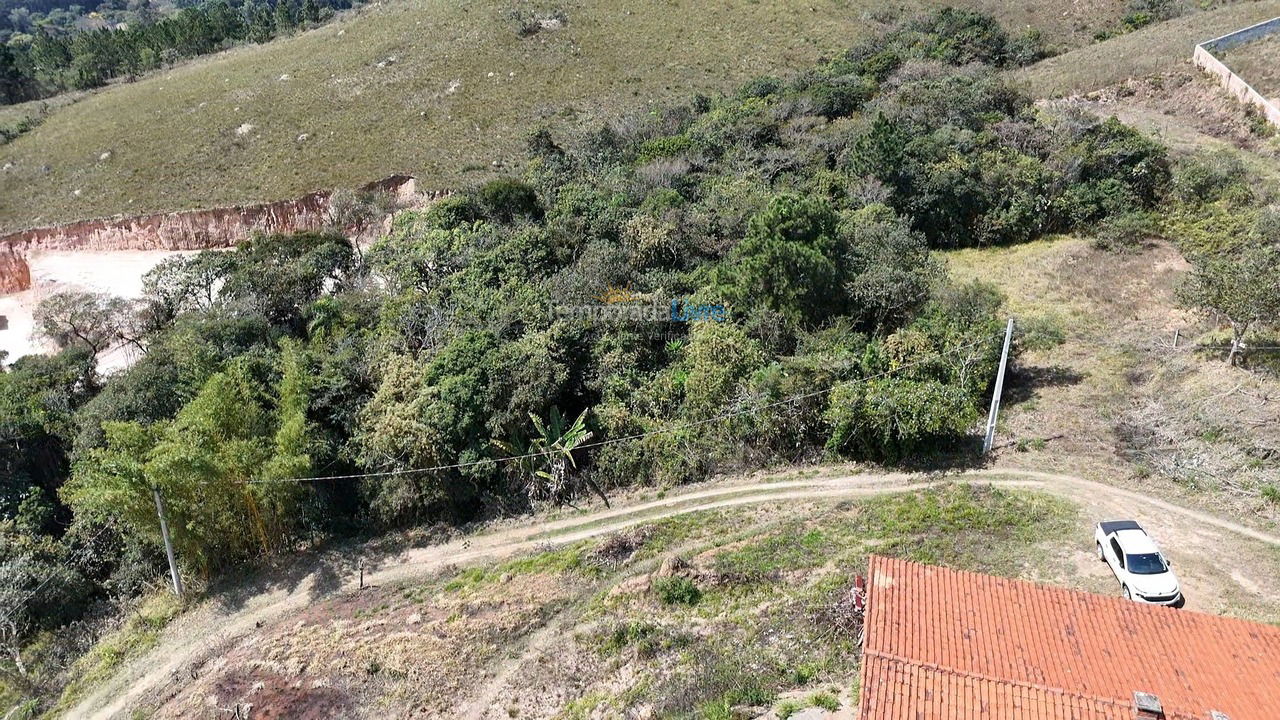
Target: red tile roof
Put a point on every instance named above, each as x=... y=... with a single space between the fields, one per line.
x=950 y=645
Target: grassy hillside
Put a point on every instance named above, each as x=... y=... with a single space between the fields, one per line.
x=1115 y=398
x=456 y=90
x=1151 y=50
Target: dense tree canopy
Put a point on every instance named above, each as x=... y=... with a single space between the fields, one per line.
x=53 y=59
x=727 y=284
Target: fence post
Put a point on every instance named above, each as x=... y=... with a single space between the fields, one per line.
x=995 y=397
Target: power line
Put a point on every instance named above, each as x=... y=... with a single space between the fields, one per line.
x=726 y=415
x=787 y=400
x=684 y=426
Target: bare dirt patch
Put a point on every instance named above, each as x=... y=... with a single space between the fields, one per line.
x=411 y=651
x=1186 y=109
x=117 y=272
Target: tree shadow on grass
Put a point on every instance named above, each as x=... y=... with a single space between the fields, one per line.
x=1025 y=383
x=326 y=568
x=1022 y=384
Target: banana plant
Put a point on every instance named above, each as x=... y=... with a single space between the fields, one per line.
x=546 y=462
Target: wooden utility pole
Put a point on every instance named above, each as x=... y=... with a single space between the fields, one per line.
x=995 y=397
x=168 y=544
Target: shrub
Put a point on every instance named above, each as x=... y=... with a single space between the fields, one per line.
x=839 y=96
x=787 y=708
x=663 y=147
x=1271 y=493
x=1027 y=48
x=890 y=418
x=1126 y=232
x=760 y=87
x=824 y=700
x=1207 y=177
x=677 y=591
x=1120 y=169
x=507 y=199
x=1145 y=12
x=452 y=212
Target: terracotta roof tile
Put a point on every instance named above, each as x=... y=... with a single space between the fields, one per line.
x=950 y=645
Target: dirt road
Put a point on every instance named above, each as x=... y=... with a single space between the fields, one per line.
x=1196 y=541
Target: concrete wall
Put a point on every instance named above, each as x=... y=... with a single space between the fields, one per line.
x=1240 y=37
x=1204 y=59
x=190 y=230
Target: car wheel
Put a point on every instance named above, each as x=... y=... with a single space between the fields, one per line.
x=1101 y=557
x=1127 y=596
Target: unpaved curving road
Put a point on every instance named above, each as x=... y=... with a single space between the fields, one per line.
x=216 y=624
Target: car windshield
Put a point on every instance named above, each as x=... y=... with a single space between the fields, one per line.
x=1146 y=564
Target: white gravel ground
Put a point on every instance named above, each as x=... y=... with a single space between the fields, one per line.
x=118 y=272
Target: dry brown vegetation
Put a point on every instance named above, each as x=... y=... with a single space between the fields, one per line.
x=692 y=614
x=1258 y=63
x=1188 y=111
x=1116 y=400
x=1152 y=50
x=593 y=630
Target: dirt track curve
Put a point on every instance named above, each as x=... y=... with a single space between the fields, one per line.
x=217 y=623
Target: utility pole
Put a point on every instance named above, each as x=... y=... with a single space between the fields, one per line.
x=995 y=397
x=168 y=544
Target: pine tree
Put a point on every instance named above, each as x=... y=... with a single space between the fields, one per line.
x=310 y=12
x=261 y=28
x=14 y=85
x=285 y=20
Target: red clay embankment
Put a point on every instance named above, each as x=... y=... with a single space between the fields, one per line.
x=188 y=230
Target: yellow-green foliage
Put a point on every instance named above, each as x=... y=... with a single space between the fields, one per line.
x=204 y=463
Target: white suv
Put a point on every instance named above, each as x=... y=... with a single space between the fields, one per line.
x=1143 y=571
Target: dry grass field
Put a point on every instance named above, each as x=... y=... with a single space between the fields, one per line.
x=692 y=614
x=445 y=90
x=1152 y=50
x=1116 y=399
x=1258 y=63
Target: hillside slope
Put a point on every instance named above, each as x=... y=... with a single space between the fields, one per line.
x=582 y=625
x=432 y=87
x=1152 y=50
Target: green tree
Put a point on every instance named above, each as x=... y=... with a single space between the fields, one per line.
x=787 y=263
x=285 y=20
x=261 y=25
x=310 y=12
x=38 y=399
x=1240 y=287
x=15 y=85
x=280 y=275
